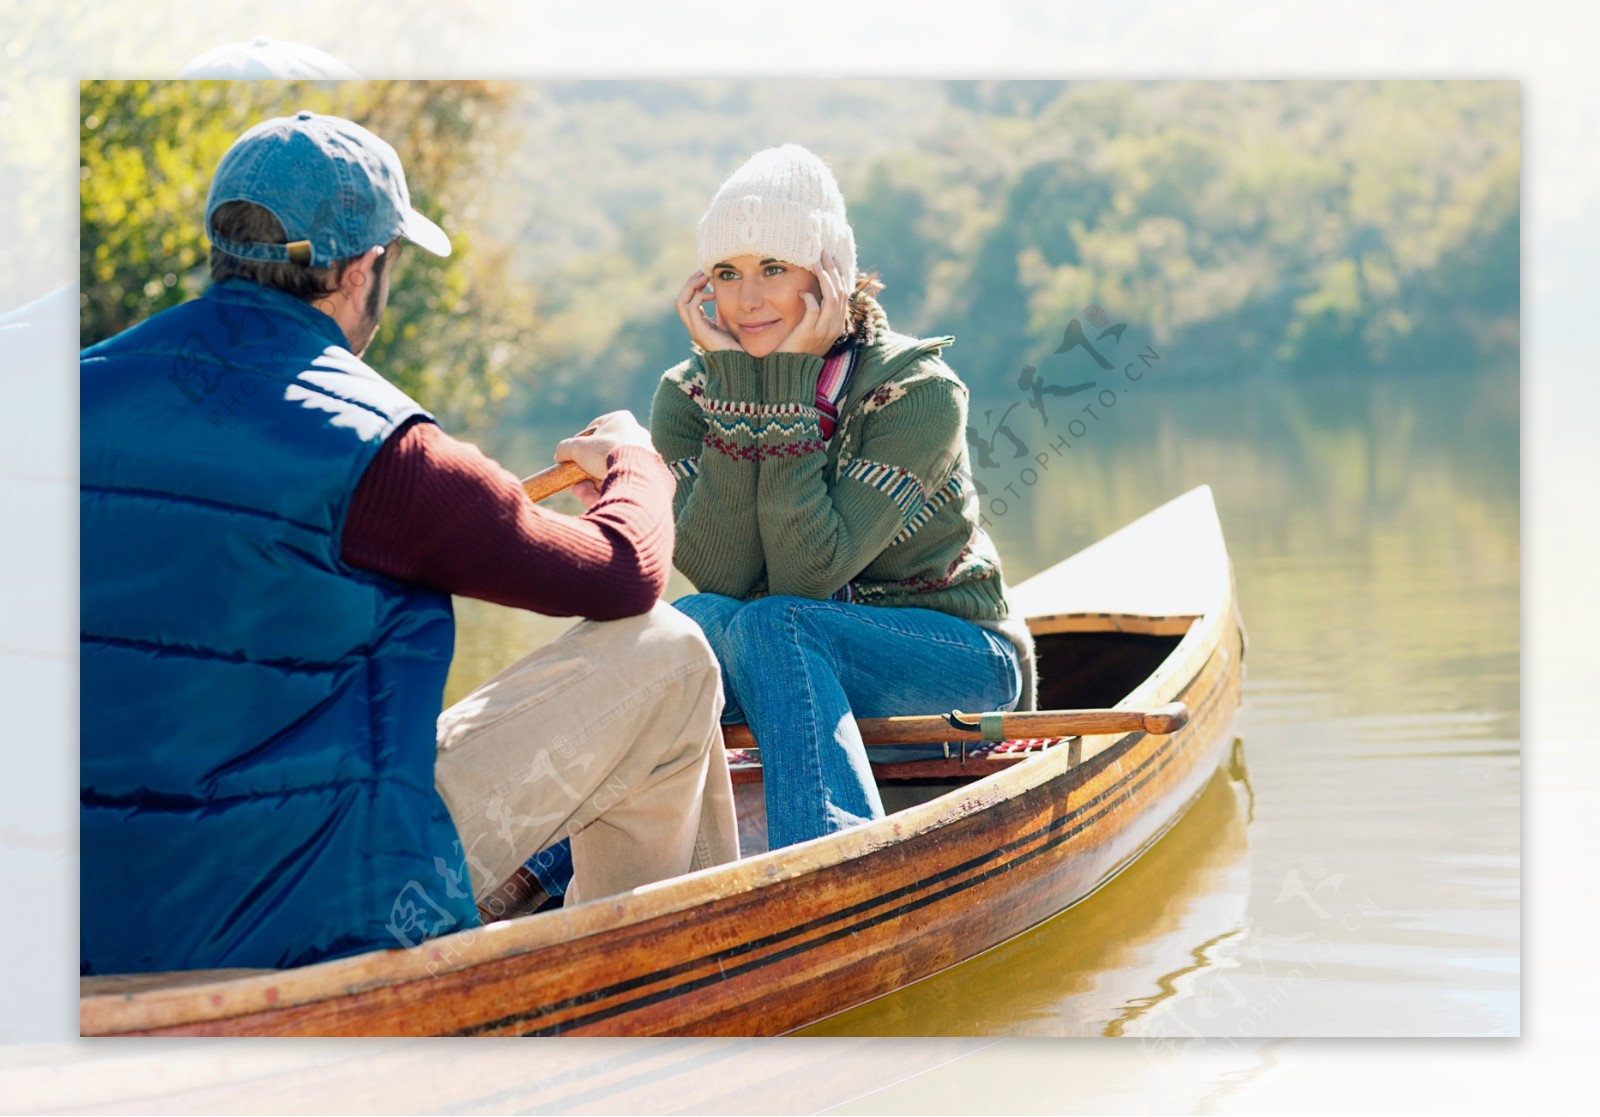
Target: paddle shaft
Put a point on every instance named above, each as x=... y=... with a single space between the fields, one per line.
x=1014 y=726
x=548 y=482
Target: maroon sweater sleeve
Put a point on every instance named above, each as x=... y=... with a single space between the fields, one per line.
x=436 y=511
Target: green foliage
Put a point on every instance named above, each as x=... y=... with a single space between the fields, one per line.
x=454 y=327
x=1313 y=218
x=1257 y=227
x=890 y=212
x=1252 y=227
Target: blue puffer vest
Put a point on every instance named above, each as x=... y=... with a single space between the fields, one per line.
x=257 y=717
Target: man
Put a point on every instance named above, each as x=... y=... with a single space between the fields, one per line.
x=270 y=532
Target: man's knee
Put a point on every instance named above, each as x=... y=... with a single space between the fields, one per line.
x=679 y=655
x=676 y=639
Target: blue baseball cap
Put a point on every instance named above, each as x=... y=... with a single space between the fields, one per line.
x=337 y=189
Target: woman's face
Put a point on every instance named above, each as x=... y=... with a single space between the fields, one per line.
x=758 y=301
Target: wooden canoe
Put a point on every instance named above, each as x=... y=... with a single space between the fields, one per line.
x=1145 y=617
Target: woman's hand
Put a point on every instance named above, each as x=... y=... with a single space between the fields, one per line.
x=705 y=333
x=826 y=319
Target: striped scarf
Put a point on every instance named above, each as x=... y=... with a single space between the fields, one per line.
x=830 y=390
x=830 y=387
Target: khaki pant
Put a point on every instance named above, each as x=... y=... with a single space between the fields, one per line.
x=608 y=734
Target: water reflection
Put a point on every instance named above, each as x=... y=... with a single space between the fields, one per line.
x=1113 y=959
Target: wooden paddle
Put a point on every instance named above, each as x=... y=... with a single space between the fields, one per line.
x=548 y=482
x=957 y=726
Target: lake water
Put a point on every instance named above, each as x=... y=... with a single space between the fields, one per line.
x=1355 y=868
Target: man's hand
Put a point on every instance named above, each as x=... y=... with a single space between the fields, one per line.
x=590 y=448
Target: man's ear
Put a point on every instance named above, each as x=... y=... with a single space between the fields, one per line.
x=358 y=274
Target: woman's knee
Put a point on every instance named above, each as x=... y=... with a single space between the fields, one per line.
x=712 y=612
x=774 y=630
x=770 y=617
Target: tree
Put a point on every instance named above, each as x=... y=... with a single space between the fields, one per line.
x=454 y=328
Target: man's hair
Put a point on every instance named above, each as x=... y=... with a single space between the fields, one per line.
x=246 y=221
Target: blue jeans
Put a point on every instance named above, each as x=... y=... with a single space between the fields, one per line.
x=552 y=867
x=798 y=671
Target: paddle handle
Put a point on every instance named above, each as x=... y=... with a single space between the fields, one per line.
x=1013 y=726
x=548 y=482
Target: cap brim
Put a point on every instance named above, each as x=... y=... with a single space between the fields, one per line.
x=425 y=234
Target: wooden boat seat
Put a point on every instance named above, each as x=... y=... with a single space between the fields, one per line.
x=962 y=760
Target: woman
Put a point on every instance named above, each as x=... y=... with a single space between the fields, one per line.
x=824 y=507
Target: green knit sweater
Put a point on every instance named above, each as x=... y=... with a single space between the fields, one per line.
x=886 y=507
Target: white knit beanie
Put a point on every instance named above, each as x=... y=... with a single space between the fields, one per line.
x=783 y=204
